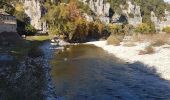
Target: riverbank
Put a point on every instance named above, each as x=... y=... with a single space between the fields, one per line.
x=160 y=60
x=49 y=90
x=48 y=48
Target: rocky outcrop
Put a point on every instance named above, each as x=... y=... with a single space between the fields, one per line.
x=160 y=24
x=133 y=13
x=100 y=9
x=35 y=11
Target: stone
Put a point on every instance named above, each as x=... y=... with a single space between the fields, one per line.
x=161 y=24
x=100 y=9
x=35 y=12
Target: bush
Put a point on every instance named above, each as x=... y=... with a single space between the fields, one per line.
x=29 y=29
x=143 y=28
x=147 y=50
x=116 y=29
x=113 y=40
x=159 y=42
x=166 y=29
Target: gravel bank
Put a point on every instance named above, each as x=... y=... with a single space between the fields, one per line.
x=160 y=60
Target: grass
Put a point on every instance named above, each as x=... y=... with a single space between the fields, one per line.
x=38 y=38
x=148 y=50
x=31 y=42
x=150 y=37
x=113 y=40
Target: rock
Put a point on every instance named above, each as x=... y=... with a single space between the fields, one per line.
x=35 y=11
x=161 y=24
x=100 y=8
x=133 y=14
x=6 y=57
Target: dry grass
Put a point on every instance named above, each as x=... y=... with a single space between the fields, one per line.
x=150 y=37
x=113 y=40
x=148 y=50
x=154 y=39
x=129 y=44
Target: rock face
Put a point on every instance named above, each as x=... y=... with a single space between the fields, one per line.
x=34 y=10
x=161 y=24
x=133 y=14
x=100 y=9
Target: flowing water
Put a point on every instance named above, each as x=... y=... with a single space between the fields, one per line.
x=86 y=72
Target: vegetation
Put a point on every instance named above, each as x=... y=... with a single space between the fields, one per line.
x=166 y=29
x=158 y=6
x=158 y=42
x=68 y=20
x=113 y=40
x=148 y=50
x=65 y=18
x=144 y=28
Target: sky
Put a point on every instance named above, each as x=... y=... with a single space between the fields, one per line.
x=167 y=1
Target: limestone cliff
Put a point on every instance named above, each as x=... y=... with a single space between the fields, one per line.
x=100 y=9
x=103 y=11
x=34 y=10
x=133 y=13
x=130 y=12
x=160 y=24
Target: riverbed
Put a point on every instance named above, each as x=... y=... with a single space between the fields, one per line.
x=87 y=72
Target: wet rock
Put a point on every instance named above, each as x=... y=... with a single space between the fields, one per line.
x=6 y=57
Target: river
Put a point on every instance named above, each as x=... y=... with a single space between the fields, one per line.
x=87 y=72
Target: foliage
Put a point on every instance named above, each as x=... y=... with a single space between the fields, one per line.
x=166 y=29
x=143 y=28
x=68 y=20
x=29 y=29
x=158 y=6
x=115 y=28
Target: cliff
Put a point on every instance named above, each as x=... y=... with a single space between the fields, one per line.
x=160 y=24
x=131 y=13
x=35 y=11
x=107 y=15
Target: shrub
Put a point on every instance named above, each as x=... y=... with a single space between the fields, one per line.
x=166 y=29
x=113 y=40
x=148 y=50
x=116 y=29
x=29 y=29
x=158 y=42
x=143 y=28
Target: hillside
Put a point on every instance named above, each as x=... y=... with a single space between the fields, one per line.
x=58 y=16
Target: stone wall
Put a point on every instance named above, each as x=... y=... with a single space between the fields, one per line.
x=8 y=28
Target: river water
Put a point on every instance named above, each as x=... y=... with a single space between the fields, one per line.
x=86 y=72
